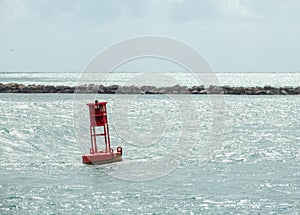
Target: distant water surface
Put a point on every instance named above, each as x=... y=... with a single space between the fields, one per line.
x=232 y=79
x=256 y=169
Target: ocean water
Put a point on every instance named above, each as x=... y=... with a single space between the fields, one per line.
x=255 y=169
x=120 y=78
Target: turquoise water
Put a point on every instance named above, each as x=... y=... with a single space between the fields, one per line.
x=255 y=170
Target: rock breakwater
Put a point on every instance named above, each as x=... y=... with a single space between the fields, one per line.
x=177 y=89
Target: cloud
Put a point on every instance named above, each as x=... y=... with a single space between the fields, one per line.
x=235 y=7
x=64 y=35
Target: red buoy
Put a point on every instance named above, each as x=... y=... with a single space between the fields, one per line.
x=98 y=118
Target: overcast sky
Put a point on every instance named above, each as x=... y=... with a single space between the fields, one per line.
x=234 y=35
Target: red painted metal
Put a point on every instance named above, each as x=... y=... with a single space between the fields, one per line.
x=98 y=118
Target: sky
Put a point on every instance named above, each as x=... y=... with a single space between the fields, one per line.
x=233 y=35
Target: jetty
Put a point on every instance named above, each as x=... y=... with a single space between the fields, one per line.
x=177 y=89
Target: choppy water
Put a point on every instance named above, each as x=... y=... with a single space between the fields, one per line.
x=255 y=170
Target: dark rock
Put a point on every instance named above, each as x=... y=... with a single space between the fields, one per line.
x=290 y=90
x=147 y=89
x=154 y=91
x=92 y=88
x=129 y=90
x=81 y=89
x=111 y=89
x=268 y=87
x=214 y=90
x=275 y=91
x=49 y=89
x=229 y=91
x=68 y=90
x=174 y=90
x=249 y=90
x=32 y=88
x=238 y=90
x=284 y=92
x=268 y=92
x=195 y=92
x=101 y=89
x=260 y=92
x=197 y=88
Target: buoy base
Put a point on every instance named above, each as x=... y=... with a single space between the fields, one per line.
x=101 y=158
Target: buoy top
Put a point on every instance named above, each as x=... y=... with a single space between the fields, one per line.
x=96 y=103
